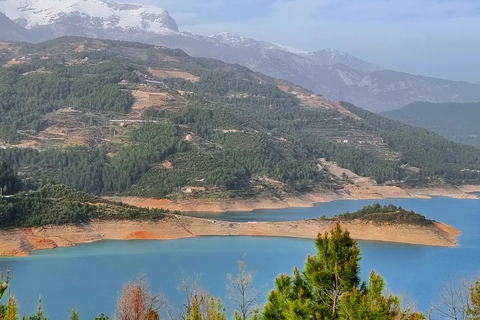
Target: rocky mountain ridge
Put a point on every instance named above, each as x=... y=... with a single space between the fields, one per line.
x=334 y=74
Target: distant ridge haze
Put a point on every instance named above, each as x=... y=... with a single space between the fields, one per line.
x=454 y=121
x=335 y=74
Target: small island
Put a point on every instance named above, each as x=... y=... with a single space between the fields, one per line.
x=59 y=216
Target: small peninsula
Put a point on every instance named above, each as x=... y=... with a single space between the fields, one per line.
x=58 y=216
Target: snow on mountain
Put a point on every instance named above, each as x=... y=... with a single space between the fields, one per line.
x=91 y=13
x=325 y=57
x=331 y=56
x=237 y=41
x=335 y=74
x=290 y=49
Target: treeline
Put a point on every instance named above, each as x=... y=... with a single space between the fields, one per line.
x=386 y=214
x=58 y=205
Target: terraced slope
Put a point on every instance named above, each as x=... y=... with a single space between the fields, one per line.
x=121 y=118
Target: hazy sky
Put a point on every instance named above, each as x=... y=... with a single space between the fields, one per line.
x=439 y=38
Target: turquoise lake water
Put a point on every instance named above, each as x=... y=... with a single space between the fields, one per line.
x=89 y=277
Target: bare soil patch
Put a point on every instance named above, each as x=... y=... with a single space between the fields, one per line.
x=163 y=73
x=27 y=144
x=316 y=101
x=167 y=164
x=4 y=45
x=80 y=48
x=144 y=99
x=14 y=62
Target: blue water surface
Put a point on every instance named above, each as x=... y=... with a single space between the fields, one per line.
x=89 y=277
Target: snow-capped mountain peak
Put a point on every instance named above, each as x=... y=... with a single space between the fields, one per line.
x=104 y=14
x=237 y=41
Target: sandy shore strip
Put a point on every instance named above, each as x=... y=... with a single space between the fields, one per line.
x=22 y=242
x=351 y=192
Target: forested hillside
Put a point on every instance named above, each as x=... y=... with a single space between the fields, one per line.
x=59 y=205
x=454 y=121
x=120 y=118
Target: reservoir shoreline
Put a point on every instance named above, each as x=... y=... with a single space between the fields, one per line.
x=21 y=242
x=351 y=192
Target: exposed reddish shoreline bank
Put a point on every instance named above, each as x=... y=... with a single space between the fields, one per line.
x=351 y=192
x=22 y=242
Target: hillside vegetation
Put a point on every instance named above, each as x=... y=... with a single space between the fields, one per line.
x=385 y=214
x=454 y=121
x=121 y=118
x=59 y=205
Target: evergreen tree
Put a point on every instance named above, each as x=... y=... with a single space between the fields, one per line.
x=474 y=307
x=39 y=315
x=8 y=179
x=329 y=287
x=74 y=315
x=369 y=303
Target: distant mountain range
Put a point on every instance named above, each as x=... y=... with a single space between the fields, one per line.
x=10 y=31
x=337 y=75
x=455 y=121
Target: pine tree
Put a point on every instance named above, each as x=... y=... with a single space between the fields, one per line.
x=74 y=315
x=370 y=303
x=11 y=311
x=329 y=287
x=474 y=306
x=39 y=315
x=333 y=271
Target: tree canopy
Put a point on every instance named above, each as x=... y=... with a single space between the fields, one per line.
x=329 y=287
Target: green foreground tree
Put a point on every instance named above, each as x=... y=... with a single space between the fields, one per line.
x=329 y=287
x=10 y=310
x=474 y=306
